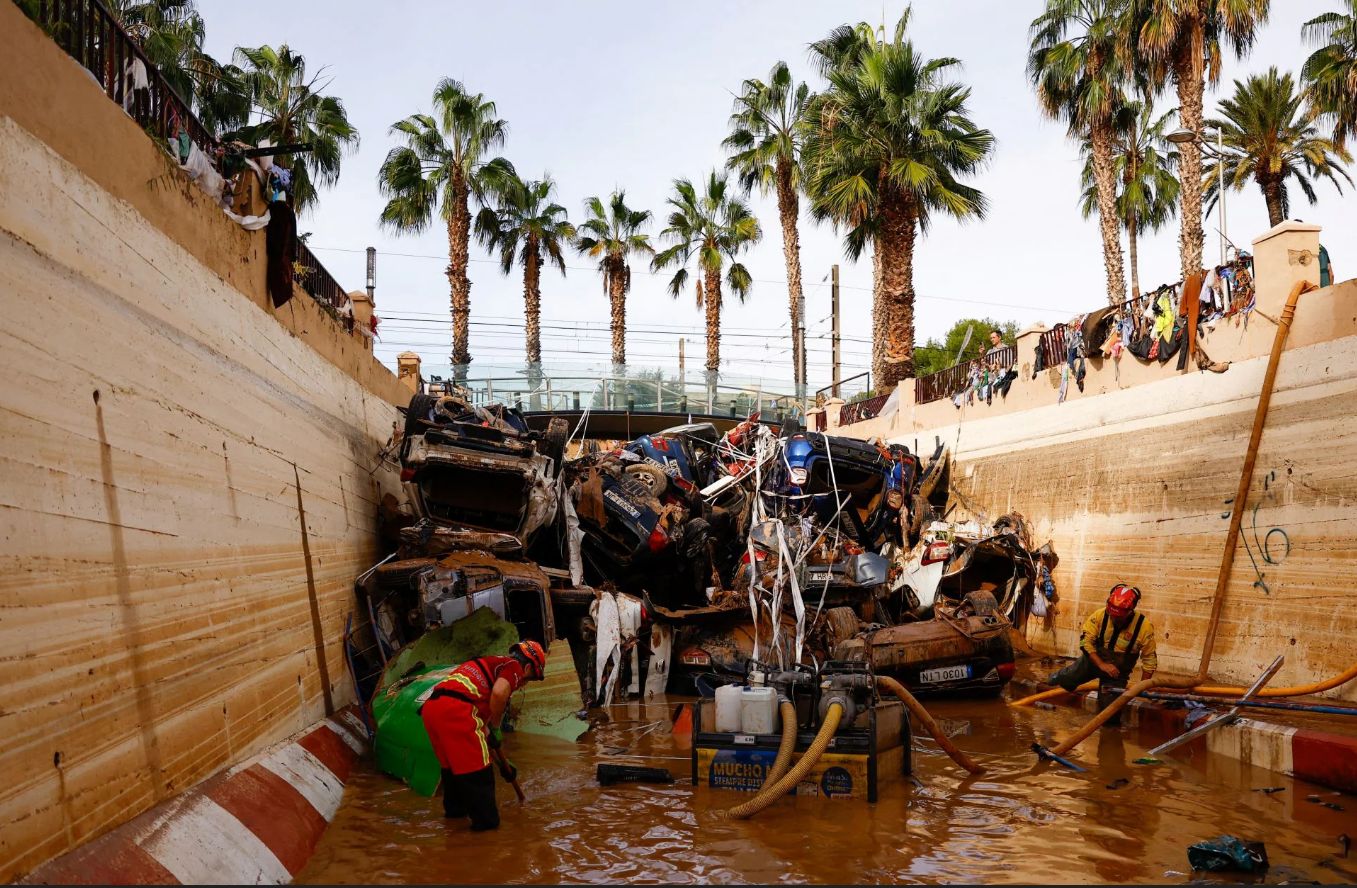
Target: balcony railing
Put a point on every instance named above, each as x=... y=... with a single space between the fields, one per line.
x=860 y=411
x=92 y=36
x=946 y=383
x=318 y=282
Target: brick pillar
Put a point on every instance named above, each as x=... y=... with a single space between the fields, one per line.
x=407 y=369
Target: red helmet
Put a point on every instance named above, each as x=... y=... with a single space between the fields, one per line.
x=531 y=653
x=1122 y=600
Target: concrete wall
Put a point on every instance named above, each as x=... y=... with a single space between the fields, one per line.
x=189 y=479
x=1131 y=479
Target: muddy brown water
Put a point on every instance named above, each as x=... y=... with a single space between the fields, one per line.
x=1020 y=822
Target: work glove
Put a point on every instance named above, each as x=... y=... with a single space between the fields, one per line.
x=496 y=738
x=508 y=771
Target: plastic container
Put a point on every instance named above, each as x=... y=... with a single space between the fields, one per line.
x=758 y=711
x=728 y=709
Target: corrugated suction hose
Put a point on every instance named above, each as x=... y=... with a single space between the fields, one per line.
x=788 y=744
x=922 y=717
x=774 y=789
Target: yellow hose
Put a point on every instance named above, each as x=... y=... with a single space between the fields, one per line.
x=1219 y=690
x=774 y=790
x=787 y=746
x=921 y=715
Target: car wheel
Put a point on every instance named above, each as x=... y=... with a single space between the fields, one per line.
x=982 y=603
x=843 y=624
x=416 y=412
x=653 y=477
x=553 y=443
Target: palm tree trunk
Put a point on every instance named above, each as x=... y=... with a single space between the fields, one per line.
x=1109 y=222
x=788 y=208
x=896 y=241
x=532 y=303
x=617 y=303
x=1272 y=193
x=459 y=235
x=1131 y=255
x=1189 y=73
x=878 y=316
x=713 y=306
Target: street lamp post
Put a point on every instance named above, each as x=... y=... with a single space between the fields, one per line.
x=1183 y=136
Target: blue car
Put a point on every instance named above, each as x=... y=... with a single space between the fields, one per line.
x=872 y=485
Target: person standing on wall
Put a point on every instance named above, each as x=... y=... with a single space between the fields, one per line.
x=1113 y=639
x=462 y=717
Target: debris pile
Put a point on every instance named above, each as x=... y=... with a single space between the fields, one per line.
x=685 y=558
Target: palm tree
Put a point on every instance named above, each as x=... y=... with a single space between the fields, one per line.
x=714 y=226
x=1076 y=67
x=611 y=234
x=885 y=147
x=292 y=108
x=1269 y=139
x=1331 y=71
x=765 y=145
x=1180 y=41
x=443 y=163
x=1147 y=188
x=525 y=226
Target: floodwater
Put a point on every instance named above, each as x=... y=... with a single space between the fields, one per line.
x=1021 y=822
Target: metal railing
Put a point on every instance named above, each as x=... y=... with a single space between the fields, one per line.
x=92 y=36
x=1052 y=347
x=318 y=283
x=859 y=383
x=954 y=379
x=647 y=391
x=859 y=411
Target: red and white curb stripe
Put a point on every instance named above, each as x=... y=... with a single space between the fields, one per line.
x=1315 y=756
x=256 y=823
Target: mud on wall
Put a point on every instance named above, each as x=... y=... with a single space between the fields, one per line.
x=1135 y=486
x=187 y=489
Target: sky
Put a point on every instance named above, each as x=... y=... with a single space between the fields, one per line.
x=605 y=95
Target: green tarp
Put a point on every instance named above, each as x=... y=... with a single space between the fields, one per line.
x=401 y=747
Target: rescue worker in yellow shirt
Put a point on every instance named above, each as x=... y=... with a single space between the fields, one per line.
x=1113 y=638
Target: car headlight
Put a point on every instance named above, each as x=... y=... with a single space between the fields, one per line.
x=798 y=476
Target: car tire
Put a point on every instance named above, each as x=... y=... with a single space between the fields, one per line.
x=843 y=624
x=982 y=603
x=653 y=477
x=415 y=414
x=553 y=443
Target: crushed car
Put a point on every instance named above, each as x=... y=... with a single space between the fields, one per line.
x=481 y=468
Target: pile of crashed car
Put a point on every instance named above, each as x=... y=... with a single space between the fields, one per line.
x=678 y=560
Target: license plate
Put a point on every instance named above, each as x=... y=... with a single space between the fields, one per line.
x=819 y=576
x=945 y=673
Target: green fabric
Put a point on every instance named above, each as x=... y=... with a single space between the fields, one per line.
x=402 y=748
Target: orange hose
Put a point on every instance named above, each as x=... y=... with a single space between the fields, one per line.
x=921 y=715
x=1317 y=687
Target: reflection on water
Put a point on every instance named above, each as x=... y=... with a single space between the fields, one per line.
x=1021 y=822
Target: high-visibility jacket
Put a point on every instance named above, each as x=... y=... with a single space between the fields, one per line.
x=457 y=713
x=1137 y=637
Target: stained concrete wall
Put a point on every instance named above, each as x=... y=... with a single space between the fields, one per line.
x=189 y=479
x=1132 y=479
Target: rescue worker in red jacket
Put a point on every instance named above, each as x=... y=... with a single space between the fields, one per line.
x=462 y=717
